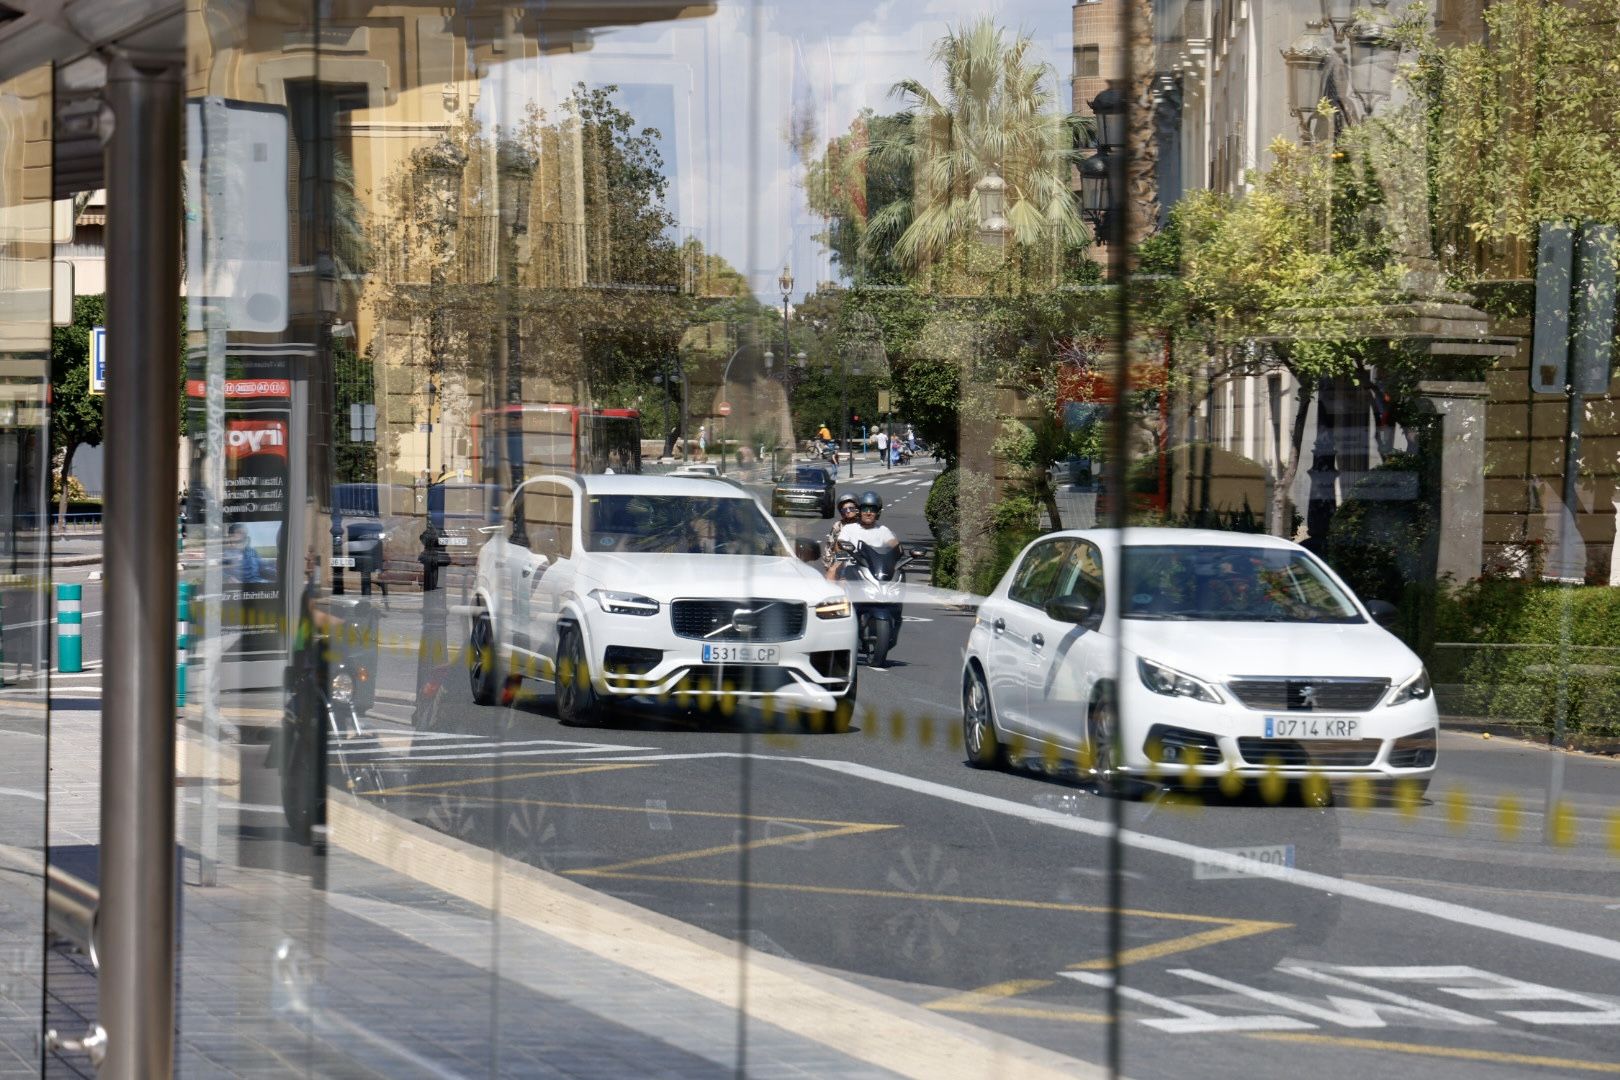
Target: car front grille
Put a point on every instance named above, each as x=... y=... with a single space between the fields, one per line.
x=1307 y=695
x=738 y=620
x=705 y=680
x=1320 y=753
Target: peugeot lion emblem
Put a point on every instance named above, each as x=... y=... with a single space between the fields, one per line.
x=1307 y=696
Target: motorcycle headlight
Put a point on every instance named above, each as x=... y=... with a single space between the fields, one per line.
x=1414 y=689
x=623 y=603
x=343 y=688
x=1172 y=683
x=834 y=607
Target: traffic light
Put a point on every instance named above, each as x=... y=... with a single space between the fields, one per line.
x=854 y=418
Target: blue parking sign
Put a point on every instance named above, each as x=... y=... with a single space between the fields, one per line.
x=98 y=359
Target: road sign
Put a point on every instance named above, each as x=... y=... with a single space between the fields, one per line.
x=724 y=408
x=98 y=359
x=1555 y=256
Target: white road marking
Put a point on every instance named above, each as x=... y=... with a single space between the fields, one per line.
x=1594 y=1010
x=1344 y=1012
x=1475 y=918
x=34 y=624
x=1192 y=1020
x=1439 y=1012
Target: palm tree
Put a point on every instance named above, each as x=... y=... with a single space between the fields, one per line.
x=996 y=115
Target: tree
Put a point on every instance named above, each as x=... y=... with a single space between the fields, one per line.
x=1521 y=124
x=848 y=183
x=996 y=115
x=1271 y=280
x=75 y=412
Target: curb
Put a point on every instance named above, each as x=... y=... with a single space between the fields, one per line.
x=1578 y=743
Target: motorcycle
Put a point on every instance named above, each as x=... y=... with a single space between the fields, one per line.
x=877 y=578
x=330 y=686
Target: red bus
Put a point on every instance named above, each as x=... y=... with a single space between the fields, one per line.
x=552 y=436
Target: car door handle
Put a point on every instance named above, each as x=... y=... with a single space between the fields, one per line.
x=1039 y=641
x=999 y=625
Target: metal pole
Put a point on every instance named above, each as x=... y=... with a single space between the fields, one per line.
x=135 y=990
x=848 y=449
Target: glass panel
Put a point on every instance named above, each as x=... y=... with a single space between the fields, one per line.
x=28 y=616
x=554 y=713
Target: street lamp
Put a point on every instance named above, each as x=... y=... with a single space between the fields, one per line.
x=1096 y=193
x=1338 y=14
x=1307 y=60
x=991 y=191
x=1109 y=109
x=1374 y=54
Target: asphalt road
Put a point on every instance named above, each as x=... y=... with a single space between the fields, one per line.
x=1473 y=935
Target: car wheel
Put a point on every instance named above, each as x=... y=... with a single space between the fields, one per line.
x=1101 y=732
x=577 y=702
x=482 y=660
x=984 y=749
x=882 y=642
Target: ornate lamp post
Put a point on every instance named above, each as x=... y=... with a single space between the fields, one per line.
x=1307 y=60
x=1374 y=54
x=1099 y=186
x=991 y=192
x=441 y=171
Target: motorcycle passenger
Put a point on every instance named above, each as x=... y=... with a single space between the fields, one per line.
x=865 y=529
x=847 y=515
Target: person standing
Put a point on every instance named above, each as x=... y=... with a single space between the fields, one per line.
x=703 y=442
x=882 y=443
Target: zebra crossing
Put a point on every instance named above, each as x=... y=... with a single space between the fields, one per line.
x=895 y=481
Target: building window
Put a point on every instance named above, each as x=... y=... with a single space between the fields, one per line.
x=1087 y=63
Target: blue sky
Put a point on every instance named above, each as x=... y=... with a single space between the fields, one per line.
x=721 y=90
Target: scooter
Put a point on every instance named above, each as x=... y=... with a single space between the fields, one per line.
x=877 y=578
x=327 y=694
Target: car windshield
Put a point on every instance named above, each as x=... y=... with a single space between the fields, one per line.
x=814 y=477
x=1216 y=583
x=680 y=525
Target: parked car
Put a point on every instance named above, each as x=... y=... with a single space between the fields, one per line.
x=804 y=487
x=1186 y=651
x=626 y=587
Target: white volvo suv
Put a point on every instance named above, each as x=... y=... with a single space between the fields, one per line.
x=655 y=588
x=1182 y=651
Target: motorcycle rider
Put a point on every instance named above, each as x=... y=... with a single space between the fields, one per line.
x=847 y=514
x=865 y=529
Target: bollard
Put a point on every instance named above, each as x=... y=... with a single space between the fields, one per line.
x=69 y=629
x=182 y=615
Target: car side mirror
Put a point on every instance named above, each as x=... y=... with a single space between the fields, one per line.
x=1383 y=612
x=807 y=550
x=1069 y=609
x=917 y=553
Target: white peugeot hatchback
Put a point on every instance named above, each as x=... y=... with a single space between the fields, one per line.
x=654 y=588
x=1187 y=651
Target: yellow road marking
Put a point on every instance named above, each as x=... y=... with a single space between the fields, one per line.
x=614 y=870
x=880 y=1031
x=406 y=789
x=1461 y=1053
x=987 y=1001
x=729 y=815
x=1236 y=929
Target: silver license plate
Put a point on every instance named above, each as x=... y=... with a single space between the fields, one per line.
x=343 y=562
x=452 y=541
x=1313 y=727
x=740 y=654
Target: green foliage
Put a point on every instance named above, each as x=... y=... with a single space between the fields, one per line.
x=848 y=183
x=1522 y=122
x=995 y=116
x=940 y=511
x=1380 y=546
x=1520 y=684
x=75 y=412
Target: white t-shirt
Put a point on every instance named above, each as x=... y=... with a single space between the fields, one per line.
x=883 y=440
x=877 y=536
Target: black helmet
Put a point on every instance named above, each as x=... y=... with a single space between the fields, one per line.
x=870 y=500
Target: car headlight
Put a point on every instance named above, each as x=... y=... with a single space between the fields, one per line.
x=834 y=607
x=1172 y=683
x=342 y=688
x=623 y=603
x=1414 y=689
